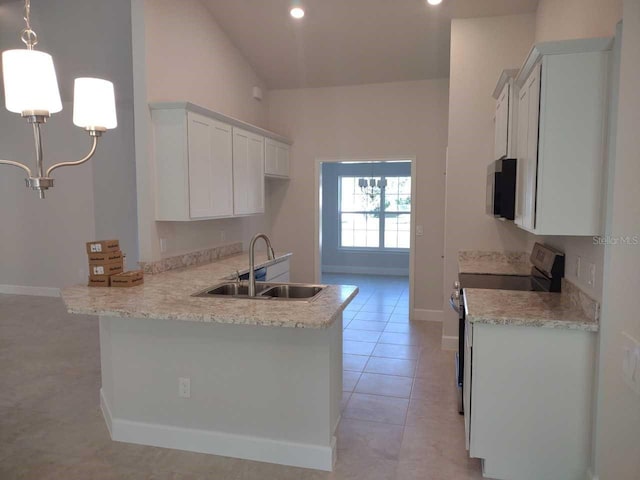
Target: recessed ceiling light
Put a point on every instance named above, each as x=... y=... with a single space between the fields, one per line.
x=434 y=2
x=297 y=12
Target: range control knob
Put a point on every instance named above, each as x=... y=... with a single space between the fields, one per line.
x=456 y=294
x=456 y=285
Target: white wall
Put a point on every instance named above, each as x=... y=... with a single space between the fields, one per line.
x=391 y=119
x=42 y=241
x=565 y=19
x=480 y=49
x=181 y=54
x=618 y=424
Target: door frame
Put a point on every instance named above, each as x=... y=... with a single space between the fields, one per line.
x=317 y=255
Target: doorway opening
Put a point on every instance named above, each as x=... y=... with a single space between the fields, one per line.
x=365 y=226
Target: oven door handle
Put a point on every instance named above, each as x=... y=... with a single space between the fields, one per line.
x=455 y=305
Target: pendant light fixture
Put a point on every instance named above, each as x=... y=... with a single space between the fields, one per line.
x=31 y=89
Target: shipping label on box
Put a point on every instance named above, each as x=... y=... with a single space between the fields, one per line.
x=103 y=246
x=106 y=269
x=128 y=279
x=102 y=258
x=99 y=281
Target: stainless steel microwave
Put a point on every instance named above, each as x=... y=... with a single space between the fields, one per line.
x=501 y=188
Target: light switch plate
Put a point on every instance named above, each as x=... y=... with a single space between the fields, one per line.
x=419 y=230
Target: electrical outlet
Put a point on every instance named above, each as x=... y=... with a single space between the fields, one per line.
x=578 y=262
x=184 y=387
x=419 y=230
x=592 y=274
x=163 y=245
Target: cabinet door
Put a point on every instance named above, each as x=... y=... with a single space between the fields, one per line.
x=502 y=123
x=276 y=160
x=248 y=172
x=270 y=157
x=210 y=168
x=528 y=120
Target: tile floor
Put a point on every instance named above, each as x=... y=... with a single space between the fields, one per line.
x=399 y=417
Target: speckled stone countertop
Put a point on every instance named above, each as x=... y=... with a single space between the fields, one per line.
x=168 y=296
x=530 y=309
x=494 y=263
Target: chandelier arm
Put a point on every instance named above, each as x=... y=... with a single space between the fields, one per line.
x=16 y=164
x=79 y=162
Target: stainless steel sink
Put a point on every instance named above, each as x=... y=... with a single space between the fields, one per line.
x=292 y=291
x=264 y=291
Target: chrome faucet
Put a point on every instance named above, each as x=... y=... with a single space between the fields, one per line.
x=252 y=260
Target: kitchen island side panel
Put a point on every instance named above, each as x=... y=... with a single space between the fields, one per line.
x=262 y=393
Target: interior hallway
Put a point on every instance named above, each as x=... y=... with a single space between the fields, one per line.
x=399 y=412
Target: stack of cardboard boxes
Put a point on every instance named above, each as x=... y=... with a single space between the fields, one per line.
x=106 y=266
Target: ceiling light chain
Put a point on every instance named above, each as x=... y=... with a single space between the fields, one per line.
x=28 y=36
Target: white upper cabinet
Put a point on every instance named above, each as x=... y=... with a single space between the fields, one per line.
x=248 y=172
x=208 y=165
x=505 y=115
x=561 y=125
x=193 y=160
x=276 y=159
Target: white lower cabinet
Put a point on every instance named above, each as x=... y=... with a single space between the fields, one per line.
x=276 y=159
x=528 y=407
x=248 y=172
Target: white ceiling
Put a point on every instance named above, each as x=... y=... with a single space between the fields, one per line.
x=347 y=42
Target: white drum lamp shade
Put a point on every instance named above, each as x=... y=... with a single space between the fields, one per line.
x=30 y=82
x=94 y=104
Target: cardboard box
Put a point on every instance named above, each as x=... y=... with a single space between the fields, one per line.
x=106 y=269
x=103 y=246
x=103 y=281
x=102 y=258
x=128 y=279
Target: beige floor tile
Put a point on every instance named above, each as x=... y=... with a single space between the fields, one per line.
x=361 y=335
x=371 y=326
x=376 y=408
x=399 y=318
x=391 y=366
x=401 y=338
x=349 y=380
x=388 y=385
x=403 y=352
x=357 y=348
x=361 y=439
x=354 y=363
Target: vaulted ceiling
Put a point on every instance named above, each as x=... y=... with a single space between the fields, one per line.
x=346 y=42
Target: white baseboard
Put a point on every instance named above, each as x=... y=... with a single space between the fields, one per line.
x=449 y=343
x=425 y=315
x=35 y=291
x=395 y=272
x=220 y=443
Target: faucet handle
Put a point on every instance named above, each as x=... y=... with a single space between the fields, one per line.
x=238 y=276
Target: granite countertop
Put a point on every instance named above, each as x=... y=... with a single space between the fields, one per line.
x=494 y=263
x=168 y=296
x=531 y=309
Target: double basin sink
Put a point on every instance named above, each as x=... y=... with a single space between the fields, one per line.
x=264 y=291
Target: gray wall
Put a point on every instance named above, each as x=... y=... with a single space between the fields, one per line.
x=335 y=259
x=42 y=241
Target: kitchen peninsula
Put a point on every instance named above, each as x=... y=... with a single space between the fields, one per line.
x=258 y=379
